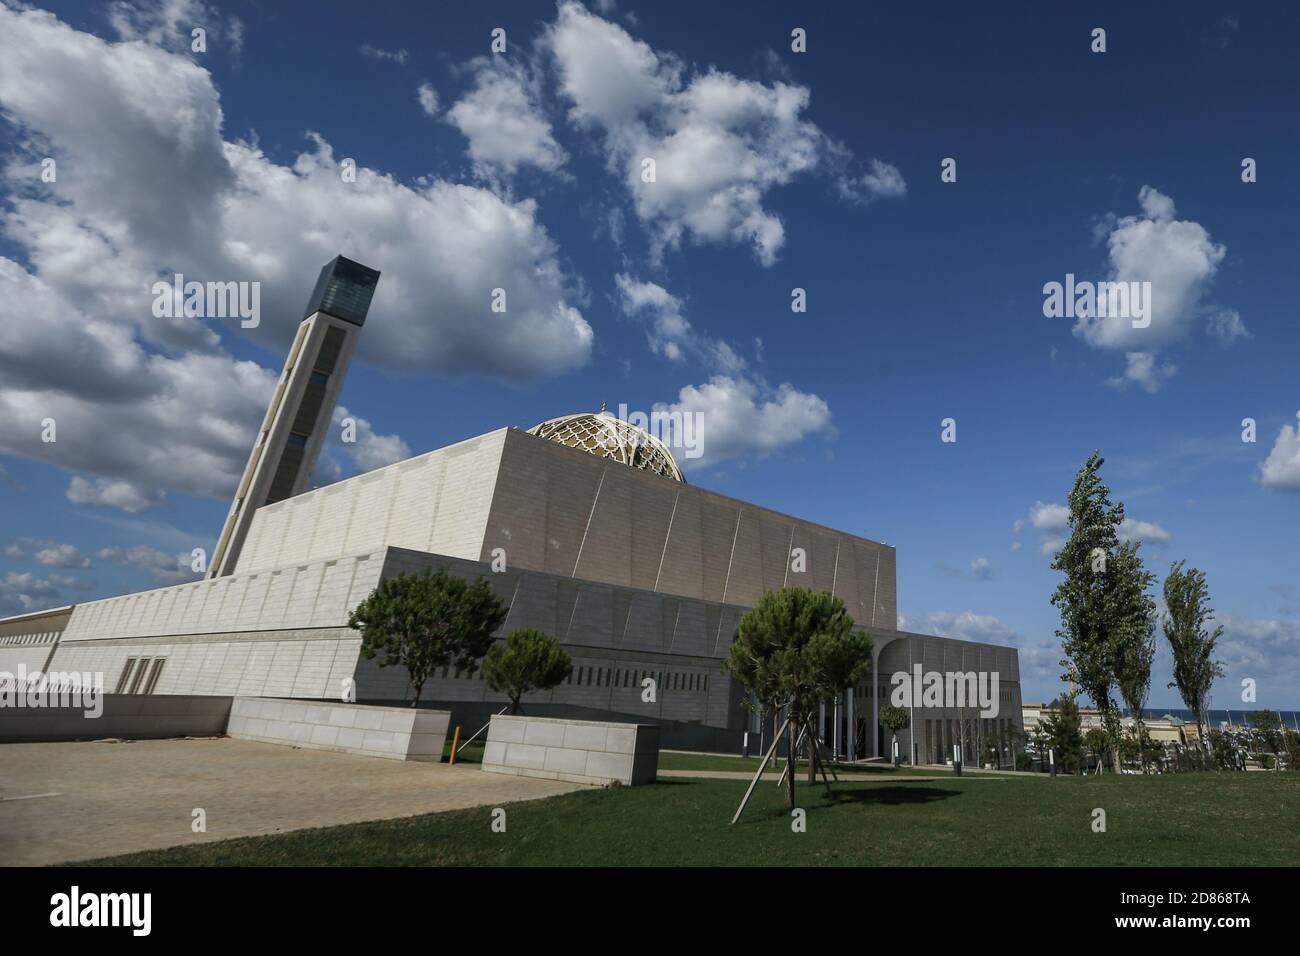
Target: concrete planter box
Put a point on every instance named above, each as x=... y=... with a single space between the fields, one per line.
x=397 y=733
x=580 y=751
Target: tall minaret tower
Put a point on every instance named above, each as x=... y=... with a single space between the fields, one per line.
x=298 y=419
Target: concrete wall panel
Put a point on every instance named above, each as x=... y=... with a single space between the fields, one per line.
x=394 y=733
x=580 y=751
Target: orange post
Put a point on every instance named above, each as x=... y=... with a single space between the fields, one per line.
x=455 y=742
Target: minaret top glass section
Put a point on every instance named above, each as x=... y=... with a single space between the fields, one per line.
x=344 y=290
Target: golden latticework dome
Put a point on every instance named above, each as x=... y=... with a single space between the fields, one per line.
x=607 y=436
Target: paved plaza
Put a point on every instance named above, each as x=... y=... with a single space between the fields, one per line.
x=77 y=801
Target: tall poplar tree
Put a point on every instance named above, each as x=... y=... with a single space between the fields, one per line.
x=1133 y=676
x=1133 y=622
x=1103 y=598
x=1192 y=644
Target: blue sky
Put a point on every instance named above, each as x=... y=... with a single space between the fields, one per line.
x=777 y=170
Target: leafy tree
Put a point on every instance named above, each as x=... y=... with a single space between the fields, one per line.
x=1222 y=750
x=1187 y=598
x=1102 y=600
x=1041 y=743
x=1097 y=741
x=428 y=620
x=526 y=661
x=796 y=649
x=1061 y=727
x=1268 y=724
x=1291 y=745
x=1140 y=745
x=1130 y=746
x=1014 y=735
x=1152 y=752
x=894 y=719
x=1132 y=622
x=989 y=751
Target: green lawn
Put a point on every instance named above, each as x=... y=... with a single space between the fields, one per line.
x=470 y=753
x=685 y=761
x=1203 y=819
x=473 y=754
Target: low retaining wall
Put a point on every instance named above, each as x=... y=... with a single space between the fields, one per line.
x=580 y=751
x=128 y=716
x=398 y=733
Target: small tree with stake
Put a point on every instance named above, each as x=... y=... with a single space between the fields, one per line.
x=526 y=661
x=428 y=620
x=795 y=649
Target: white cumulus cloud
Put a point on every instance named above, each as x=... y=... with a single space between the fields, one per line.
x=1180 y=261
x=379 y=53
x=164 y=568
x=741 y=418
x=21 y=592
x=1281 y=469
x=1052 y=521
x=113 y=493
x=1148 y=532
x=503 y=120
x=719 y=143
x=881 y=181
x=148 y=186
x=428 y=98
x=1145 y=371
x=52 y=554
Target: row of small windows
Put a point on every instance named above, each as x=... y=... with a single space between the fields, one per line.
x=887 y=689
x=616 y=677
x=22 y=640
x=140 y=675
x=52 y=684
x=624 y=677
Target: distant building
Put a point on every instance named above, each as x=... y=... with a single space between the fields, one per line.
x=1167 y=729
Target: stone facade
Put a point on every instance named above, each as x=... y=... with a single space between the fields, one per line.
x=638 y=575
x=319 y=594
x=314 y=663
x=27 y=640
x=435 y=502
x=546 y=507
x=566 y=512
